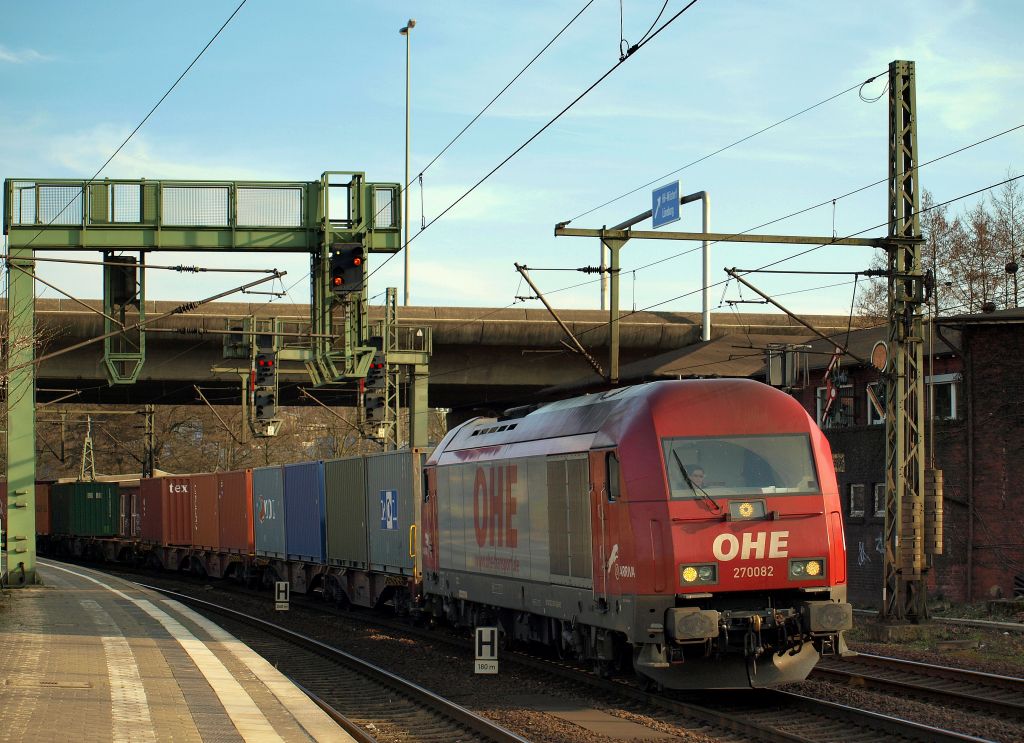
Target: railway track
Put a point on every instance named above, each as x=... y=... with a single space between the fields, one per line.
x=987 y=692
x=765 y=715
x=364 y=699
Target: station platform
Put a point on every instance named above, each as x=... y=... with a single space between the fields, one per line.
x=90 y=657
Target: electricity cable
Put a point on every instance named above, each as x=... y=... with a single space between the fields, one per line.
x=809 y=208
x=826 y=202
x=726 y=147
x=501 y=92
x=534 y=136
x=603 y=326
x=140 y=124
x=825 y=244
x=480 y=113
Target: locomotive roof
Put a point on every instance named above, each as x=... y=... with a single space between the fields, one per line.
x=584 y=416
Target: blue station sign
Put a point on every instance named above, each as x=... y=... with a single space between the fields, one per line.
x=665 y=204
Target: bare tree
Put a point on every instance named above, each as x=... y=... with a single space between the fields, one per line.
x=192 y=438
x=1008 y=206
x=970 y=256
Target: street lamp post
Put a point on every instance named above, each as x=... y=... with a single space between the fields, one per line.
x=406 y=32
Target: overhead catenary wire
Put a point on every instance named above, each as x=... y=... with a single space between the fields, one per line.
x=603 y=326
x=534 y=136
x=501 y=92
x=179 y=268
x=808 y=208
x=144 y=119
x=725 y=282
x=854 y=234
x=726 y=147
x=832 y=200
x=481 y=112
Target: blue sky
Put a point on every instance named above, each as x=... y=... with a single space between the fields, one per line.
x=290 y=90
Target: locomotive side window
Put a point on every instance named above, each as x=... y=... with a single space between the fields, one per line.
x=740 y=465
x=612 y=475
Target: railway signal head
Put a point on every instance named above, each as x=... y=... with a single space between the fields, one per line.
x=374 y=405
x=347 y=270
x=266 y=370
x=376 y=375
x=265 y=402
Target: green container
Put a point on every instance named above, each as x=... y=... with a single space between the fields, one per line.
x=85 y=509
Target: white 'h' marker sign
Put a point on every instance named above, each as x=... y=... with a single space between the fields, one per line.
x=486 y=647
x=282 y=594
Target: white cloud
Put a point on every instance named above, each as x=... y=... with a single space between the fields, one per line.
x=21 y=56
x=85 y=150
x=961 y=95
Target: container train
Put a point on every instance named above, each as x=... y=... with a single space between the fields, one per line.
x=689 y=530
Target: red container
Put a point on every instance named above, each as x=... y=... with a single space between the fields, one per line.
x=42 y=508
x=234 y=495
x=205 y=518
x=165 y=510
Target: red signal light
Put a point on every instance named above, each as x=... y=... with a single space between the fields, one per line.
x=337 y=281
x=357 y=261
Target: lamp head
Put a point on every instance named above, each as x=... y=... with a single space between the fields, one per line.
x=404 y=30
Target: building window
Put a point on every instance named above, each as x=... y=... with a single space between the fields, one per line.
x=874 y=394
x=943 y=395
x=856 y=500
x=879 y=510
x=841 y=413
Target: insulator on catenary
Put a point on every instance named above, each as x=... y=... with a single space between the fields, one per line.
x=187 y=307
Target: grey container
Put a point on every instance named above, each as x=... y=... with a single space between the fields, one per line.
x=345 y=487
x=393 y=491
x=268 y=511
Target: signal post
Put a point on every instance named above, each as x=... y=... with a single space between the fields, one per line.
x=339 y=221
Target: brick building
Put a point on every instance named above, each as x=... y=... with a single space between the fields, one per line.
x=975 y=433
x=974 y=376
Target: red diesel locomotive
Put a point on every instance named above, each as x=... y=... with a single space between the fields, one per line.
x=691 y=529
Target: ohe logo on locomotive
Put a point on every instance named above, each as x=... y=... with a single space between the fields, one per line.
x=494 y=506
x=753 y=545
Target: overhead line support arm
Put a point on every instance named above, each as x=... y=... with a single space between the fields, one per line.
x=735 y=274
x=616 y=234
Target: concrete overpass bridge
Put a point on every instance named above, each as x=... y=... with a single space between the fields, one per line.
x=481 y=357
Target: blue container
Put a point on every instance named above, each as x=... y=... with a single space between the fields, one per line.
x=305 y=512
x=268 y=511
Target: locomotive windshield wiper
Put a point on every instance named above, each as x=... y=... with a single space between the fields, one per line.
x=699 y=492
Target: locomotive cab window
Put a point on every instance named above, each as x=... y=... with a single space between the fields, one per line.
x=611 y=462
x=740 y=465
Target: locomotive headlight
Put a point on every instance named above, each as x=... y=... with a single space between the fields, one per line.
x=689 y=574
x=806 y=569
